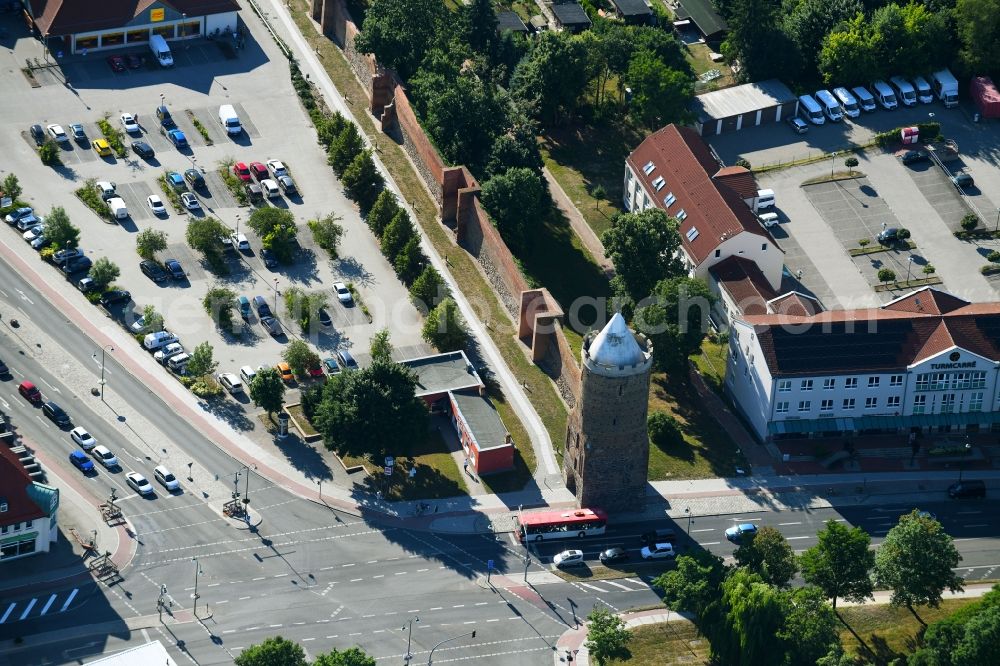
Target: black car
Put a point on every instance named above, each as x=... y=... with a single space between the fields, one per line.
x=38 y=134
x=194 y=178
x=888 y=236
x=174 y=268
x=967 y=488
x=115 y=296
x=4 y=370
x=324 y=318
x=135 y=61
x=142 y=149
x=270 y=261
x=659 y=535
x=55 y=414
x=77 y=265
x=914 y=156
x=153 y=271
x=613 y=555
x=163 y=115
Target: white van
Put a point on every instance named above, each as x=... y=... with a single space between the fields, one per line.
x=154 y=341
x=831 y=107
x=924 y=92
x=764 y=199
x=946 y=88
x=811 y=110
x=865 y=99
x=768 y=219
x=229 y=119
x=906 y=92
x=158 y=45
x=847 y=102
x=884 y=95
x=177 y=363
x=118 y=209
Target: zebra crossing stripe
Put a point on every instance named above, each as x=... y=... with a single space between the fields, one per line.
x=70 y=599
x=31 y=604
x=7 y=614
x=593 y=587
x=624 y=587
x=45 y=609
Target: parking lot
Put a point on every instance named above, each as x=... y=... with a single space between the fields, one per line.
x=257 y=85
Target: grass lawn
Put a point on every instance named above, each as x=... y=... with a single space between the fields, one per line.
x=698 y=57
x=707 y=452
x=300 y=420
x=463 y=268
x=437 y=474
x=665 y=643
x=524 y=455
x=712 y=363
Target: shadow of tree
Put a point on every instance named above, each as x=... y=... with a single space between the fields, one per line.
x=230 y=412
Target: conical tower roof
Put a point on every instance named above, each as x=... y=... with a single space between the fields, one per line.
x=615 y=345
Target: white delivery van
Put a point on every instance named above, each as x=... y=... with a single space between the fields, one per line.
x=924 y=92
x=158 y=45
x=865 y=99
x=118 y=209
x=763 y=200
x=905 y=89
x=154 y=341
x=945 y=87
x=831 y=106
x=847 y=102
x=229 y=119
x=884 y=95
x=811 y=110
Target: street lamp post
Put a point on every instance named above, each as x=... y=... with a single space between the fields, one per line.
x=447 y=640
x=688 y=512
x=409 y=633
x=197 y=571
x=275 y=296
x=998 y=221
x=909 y=265
x=105 y=348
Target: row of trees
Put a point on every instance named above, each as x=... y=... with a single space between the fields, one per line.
x=280 y=651
x=849 y=42
x=751 y=616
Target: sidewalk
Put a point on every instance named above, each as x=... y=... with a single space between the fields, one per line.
x=579 y=225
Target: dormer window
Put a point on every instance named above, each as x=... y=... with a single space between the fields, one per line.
x=648 y=169
x=658 y=183
x=691 y=234
x=669 y=200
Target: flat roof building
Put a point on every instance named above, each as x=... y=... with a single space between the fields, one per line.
x=510 y=21
x=748 y=105
x=570 y=16
x=703 y=15
x=633 y=12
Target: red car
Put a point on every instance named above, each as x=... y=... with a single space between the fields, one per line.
x=241 y=171
x=30 y=391
x=316 y=372
x=117 y=63
x=259 y=171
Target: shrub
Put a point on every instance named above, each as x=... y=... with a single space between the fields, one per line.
x=664 y=430
x=92 y=200
x=206 y=387
x=219 y=303
x=300 y=357
x=903 y=233
x=150 y=241
x=886 y=275
x=970 y=221
x=103 y=273
x=234 y=184
x=864 y=242
x=743 y=163
x=327 y=233
x=929 y=269
x=114 y=136
x=48 y=152
x=445 y=328
x=994 y=257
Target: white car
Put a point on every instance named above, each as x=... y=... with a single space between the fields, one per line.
x=190 y=201
x=165 y=478
x=57 y=133
x=247 y=374
x=163 y=355
x=130 y=124
x=276 y=169
x=230 y=382
x=155 y=204
x=104 y=456
x=34 y=232
x=83 y=438
x=659 y=551
x=139 y=483
x=343 y=293
x=39 y=242
x=241 y=242
x=568 y=558
x=270 y=188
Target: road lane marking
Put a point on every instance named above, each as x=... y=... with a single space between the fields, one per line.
x=45 y=608
x=482 y=603
x=593 y=587
x=274 y=626
x=977 y=525
x=422 y=570
x=243 y=598
x=399 y=573
x=435 y=608
x=348 y=565
x=798 y=537
x=24 y=296
x=280 y=575
x=225 y=601
x=413 y=611
x=260 y=578
x=50 y=385
x=459 y=606
x=31 y=604
x=355 y=580
x=967 y=513
x=784 y=524
x=68 y=600
x=379 y=576
x=710 y=543
x=706 y=529
x=9 y=610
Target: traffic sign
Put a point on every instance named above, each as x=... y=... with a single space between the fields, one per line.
x=489 y=564
x=389 y=461
x=388 y=471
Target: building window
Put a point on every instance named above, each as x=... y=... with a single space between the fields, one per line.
x=806 y=385
x=976 y=402
x=978 y=379
x=89 y=42
x=784 y=385
x=669 y=199
x=961 y=380
x=27 y=524
x=873 y=382
x=648 y=169
x=805 y=405
x=829 y=384
x=919 y=404
x=4 y=529
x=628 y=175
x=718 y=253
x=142 y=36
x=763 y=247
x=681 y=214
x=781 y=408
x=165 y=31
x=848 y=403
x=645 y=202
x=947 y=403
x=892 y=401
x=658 y=183
x=826 y=406
x=871 y=403
x=896 y=380
x=851 y=383
x=112 y=39
x=691 y=234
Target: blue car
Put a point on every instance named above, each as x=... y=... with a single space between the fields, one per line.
x=177 y=138
x=176 y=181
x=82 y=461
x=738 y=533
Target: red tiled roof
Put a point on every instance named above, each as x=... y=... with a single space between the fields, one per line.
x=927 y=301
x=744 y=282
x=738 y=179
x=67 y=17
x=687 y=166
x=14 y=482
x=794 y=303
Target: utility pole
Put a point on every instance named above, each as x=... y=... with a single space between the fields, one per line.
x=471 y=634
x=105 y=348
x=409 y=633
x=527 y=563
x=275 y=296
x=688 y=512
x=197 y=571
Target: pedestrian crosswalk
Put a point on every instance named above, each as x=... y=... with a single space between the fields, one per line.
x=619 y=584
x=45 y=604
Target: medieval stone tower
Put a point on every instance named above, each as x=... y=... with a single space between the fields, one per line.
x=607 y=447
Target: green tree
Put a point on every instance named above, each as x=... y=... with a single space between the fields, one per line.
x=267 y=390
x=372 y=411
x=275 y=651
x=810 y=627
x=202 y=362
x=300 y=357
x=428 y=289
x=769 y=556
x=675 y=318
x=848 y=53
x=850 y=163
x=381 y=347
x=345 y=148
x=410 y=260
x=205 y=235
x=362 y=180
x=399 y=32
x=517 y=203
x=910 y=38
x=886 y=275
x=103 y=273
x=329 y=127
x=840 y=563
x=219 y=303
x=349 y=657
x=551 y=78
x=382 y=212
x=607 y=636
x=327 y=232
x=981 y=642
x=152 y=319
x=515 y=148
x=940 y=645
x=664 y=430
x=48 y=152
x=11 y=186
x=694 y=584
x=445 y=327
x=970 y=221
x=644 y=248
x=754 y=615
x=757 y=40
x=277 y=231
x=810 y=21
x=397 y=235
x=150 y=241
x=916 y=561
x=62 y=233
x=479 y=25
x=977 y=23
x=660 y=95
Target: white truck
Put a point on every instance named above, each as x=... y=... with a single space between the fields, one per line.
x=118 y=209
x=945 y=87
x=158 y=45
x=229 y=119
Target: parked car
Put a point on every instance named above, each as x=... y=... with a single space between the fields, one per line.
x=270 y=188
x=28 y=222
x=176 y=181
x=287 y=185
x=29 y=392
x=102 y=147
x=104 y=456
x=888 y=236
x=254 y=193
x=135 y=61
x=285 y=371
x=163 y=115
x=155 y=204
x=165 y=478
x=269 y=258
x=343 y=293
x=78 y=133
x=914 y=156
x=331 y=366
x=962 y=179
x=152 y=270
x=85 y=440
x=230 y=382
x=346 y=361
x=614 y=555
x=16 y=216
x=58 y=133
x=77 y=265
x=800 y=126
x=106 y=189
x=568 y=558
x=62 y=256
x=190 y=201
x=139 y=483
x=56 y=414
x=4 y=370
x=276 y=168
x=86 y=284
x=271 y=325
x=657 y=551
x=81 y=461
x=967 y=488
x=115 y=296
x=194 y=178
x=241 y=171
x=116 y=63
x=241 y=243
x=176 y=137
x=33 y=232
x=37 y=133
x=174 y=268
x=167 y=352
x=741 y=532
x=247 y=374
x=129 y=123
x=324 y=318
x=142 y=149
x=258 y=171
